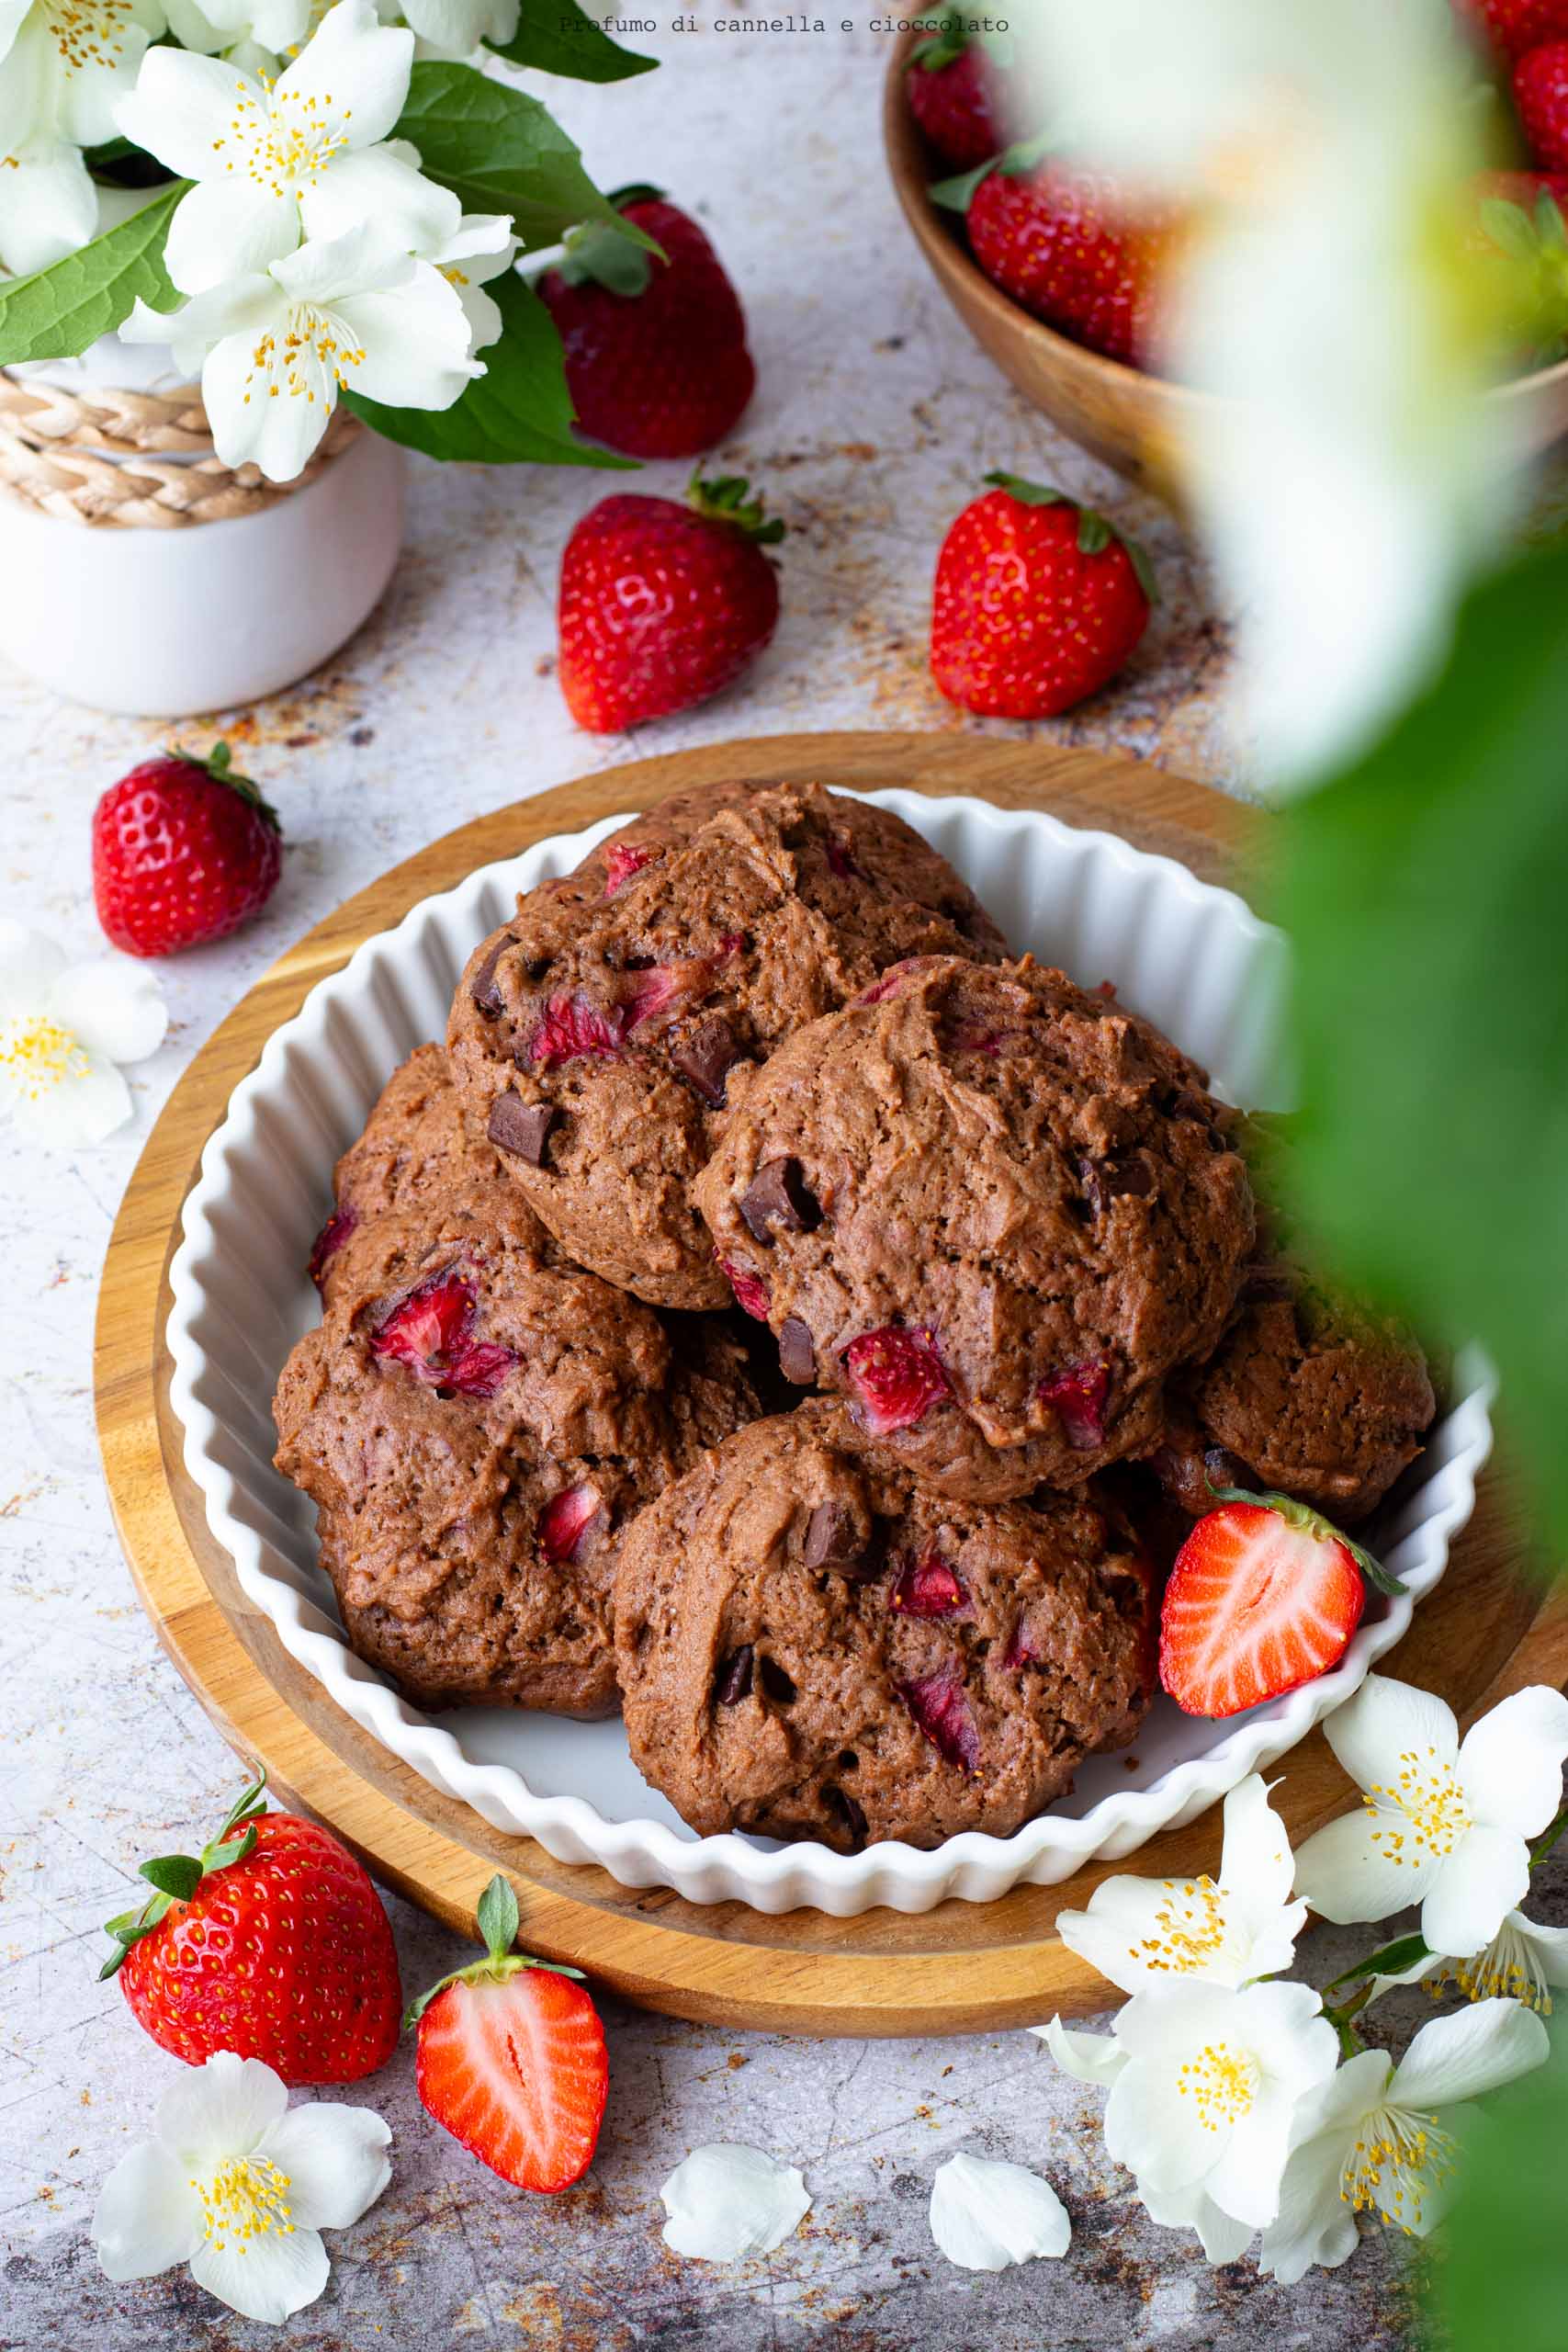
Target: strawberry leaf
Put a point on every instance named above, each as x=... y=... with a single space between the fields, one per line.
x=1389 y=1960
x=1096 y=531
x=176 y=1875
x=725 y=501
x=219 y=764
x=1323 y=1531
x=496 y=1916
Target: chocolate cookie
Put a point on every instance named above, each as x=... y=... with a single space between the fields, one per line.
x=1307 y=1395
x=477 y=1432
x=598 y=1038
x=994 y=1210
x=416 y=1154
x=811 y=1645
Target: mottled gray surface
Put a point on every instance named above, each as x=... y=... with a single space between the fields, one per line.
x=874 y=422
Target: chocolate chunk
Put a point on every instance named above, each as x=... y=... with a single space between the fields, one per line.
x=706 y=1057
x=832 y=1540
x=1105 y=1180
x=842 y=1808
x=485 y=993
x=521 y=1127
x=798 y=1357
x=1261 y=1283
x=778 y=1196
x=776 y=1684
x=733 y=1679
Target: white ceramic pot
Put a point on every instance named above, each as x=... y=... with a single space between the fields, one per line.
x=164 y=623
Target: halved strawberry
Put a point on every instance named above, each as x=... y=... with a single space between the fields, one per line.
x=512 y=2058
x=1264 y=1596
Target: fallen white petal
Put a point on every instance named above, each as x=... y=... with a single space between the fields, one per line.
x=728 y=2203
x=987 y=2215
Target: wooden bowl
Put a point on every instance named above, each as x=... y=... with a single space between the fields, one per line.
x=1138 y=423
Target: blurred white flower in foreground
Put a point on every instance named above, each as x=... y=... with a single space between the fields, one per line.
x=1347 y=476
x=64 y=1029
x=272 y=351
x=1142 y=1932
x=987 y=2216
x=1378 y=2138
x=306 y=158
x=240 y=2189
x=726 y=2204
x=1442 y=1823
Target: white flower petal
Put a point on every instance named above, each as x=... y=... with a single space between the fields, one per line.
x=147 y=2217
x=1477 y=1886
x=29 y=964
x=1256 y=1865
x=482 y=241
x=1223 y=2238
x=115 y=1006
x=986 y=2215
x=1165 y=2139
x=728 y=2203
x=1245 y=2181
x=266 y=2277
x=414 y=340
x=26 y=82
x=1473 y=2050
x=1549 y=1946
x=275 y=25
x=482 y=312
x=1346 y=1878
x=183 y=107
x=351 y=78
x=1088 y=2057
x=1511 y=1761
x=326 y=268
x=88 y=95
x=220 y=2111
x=337 y=2161
x=455 y=27
x=1314 y=2224
x=252 y=421
x=225 y=229
x=49 y=206
x=195 y=29
x=84 y=1105
x=378 y=186
x=1384 y=1720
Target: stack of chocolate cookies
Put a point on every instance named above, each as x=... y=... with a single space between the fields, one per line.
x=773 y=1313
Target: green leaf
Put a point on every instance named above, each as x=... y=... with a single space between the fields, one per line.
x=1389 y=1960
x=1508 y=226
x=496 y=1916
x=232 y=1849
x=557 y=37
x=177 y=1875
x=499 y=150
x=1504 y=2277
x=1425 y=892
x=58 y=312
x=518 y=413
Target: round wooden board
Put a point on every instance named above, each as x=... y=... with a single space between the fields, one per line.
x=962 y=1967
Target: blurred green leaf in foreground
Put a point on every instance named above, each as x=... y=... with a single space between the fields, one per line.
x=1425 y=891
x=1499 y=2281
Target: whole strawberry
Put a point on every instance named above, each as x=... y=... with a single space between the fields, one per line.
x=662 y=605
x=272 y=1942
x=655 y=357
x=1514 y=26
x=512 y=2058
x=1540 y=94
x=183 y=852
x=1064 y=245
x=953 y=84
x=1038 y=602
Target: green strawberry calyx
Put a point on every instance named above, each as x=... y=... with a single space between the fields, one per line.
x=1534 y=244
x=954 y=35
x=725 y=501
x=1014 y=163
x=175 y=1877
x=1323 y=1531
x=496 y=1916
x=1096 y=531
x=218 y=763
x=598 y=253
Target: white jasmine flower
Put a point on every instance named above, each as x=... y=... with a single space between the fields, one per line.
x=64 y=1029
x=302 y=159
x=1522 y=1963
x=240 y=29
x=482 y=247
x=728 y=2203
x=1329 y=147
x=1203 y=2084
x=274 y=351
x=455 y=27
x=986 y=2216
x=240 y=2190
x=1141 y=1932
x=63 y=64
x=1442 y=1823
x=1378 y=2138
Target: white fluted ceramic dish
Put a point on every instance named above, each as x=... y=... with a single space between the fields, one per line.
x=1191 y=957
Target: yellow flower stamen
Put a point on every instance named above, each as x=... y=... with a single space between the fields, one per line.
x=1191 y=1926
x=86 y=32
x=1423 y=1815
x=1224 y=2082
x=246 y=2198
x=286 y=147
x=1397 y=2160
x=38 y=1055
